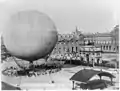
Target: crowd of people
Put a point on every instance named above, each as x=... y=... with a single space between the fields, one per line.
x=69 y=56
x=86 y=59
x=43 y=69
x=10 y=71
x=50 y=67
x=81 y=57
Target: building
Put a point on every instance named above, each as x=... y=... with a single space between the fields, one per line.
x=109 y=42
x=71 y=43
x=75 y=42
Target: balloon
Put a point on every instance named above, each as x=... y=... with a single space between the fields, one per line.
x=26 y=64
x=22 y=63
x=30 y=35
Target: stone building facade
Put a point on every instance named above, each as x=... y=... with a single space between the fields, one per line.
x=109 y=42
x=71 y=43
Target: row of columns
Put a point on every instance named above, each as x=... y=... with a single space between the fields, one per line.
x=76 y=47
x=109 y=48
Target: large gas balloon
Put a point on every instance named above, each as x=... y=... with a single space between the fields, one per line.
x=30 y=35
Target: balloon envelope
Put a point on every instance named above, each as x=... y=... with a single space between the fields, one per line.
x=30 y=35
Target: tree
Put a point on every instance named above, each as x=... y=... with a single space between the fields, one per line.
x=4 y=53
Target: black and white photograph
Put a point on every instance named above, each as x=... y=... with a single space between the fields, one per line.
x=59 y=44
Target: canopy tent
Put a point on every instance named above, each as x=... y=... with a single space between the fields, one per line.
x=6 y=86
x=86 y=74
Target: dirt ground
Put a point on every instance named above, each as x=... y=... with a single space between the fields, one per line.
x=61 y=79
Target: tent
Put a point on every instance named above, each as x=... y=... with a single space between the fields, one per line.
x=6 y=86
x=86 y=74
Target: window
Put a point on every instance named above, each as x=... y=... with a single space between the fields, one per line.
x=98 y=53
x=114 y=49
x=118 y=48
x=76 y=49
x=109 y=47
x=106 y=47
x=101 y=47
x=72 y=49
x=68 y=50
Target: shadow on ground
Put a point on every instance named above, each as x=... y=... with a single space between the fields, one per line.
x=6 y=86
x=69 y=66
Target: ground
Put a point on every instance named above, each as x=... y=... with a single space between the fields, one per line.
x=61 y=79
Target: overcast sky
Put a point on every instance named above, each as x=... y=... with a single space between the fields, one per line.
x=88 y=15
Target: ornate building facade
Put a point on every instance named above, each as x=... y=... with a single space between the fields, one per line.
x=71 y=43
x=109 y=42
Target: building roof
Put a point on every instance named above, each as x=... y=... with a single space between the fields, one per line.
x=98 y=35
x=86 y=74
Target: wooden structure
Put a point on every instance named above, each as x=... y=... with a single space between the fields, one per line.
x=86 y=74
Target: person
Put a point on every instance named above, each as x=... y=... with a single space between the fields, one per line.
x=87 y=57
x=92 y=62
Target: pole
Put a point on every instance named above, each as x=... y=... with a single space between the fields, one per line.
x=73 y=85
x=111 y=81
x=50 y=76
x=94 y=57
x=18 y=85
x=100 y=77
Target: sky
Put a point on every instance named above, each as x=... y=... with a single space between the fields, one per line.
x=88 y=15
